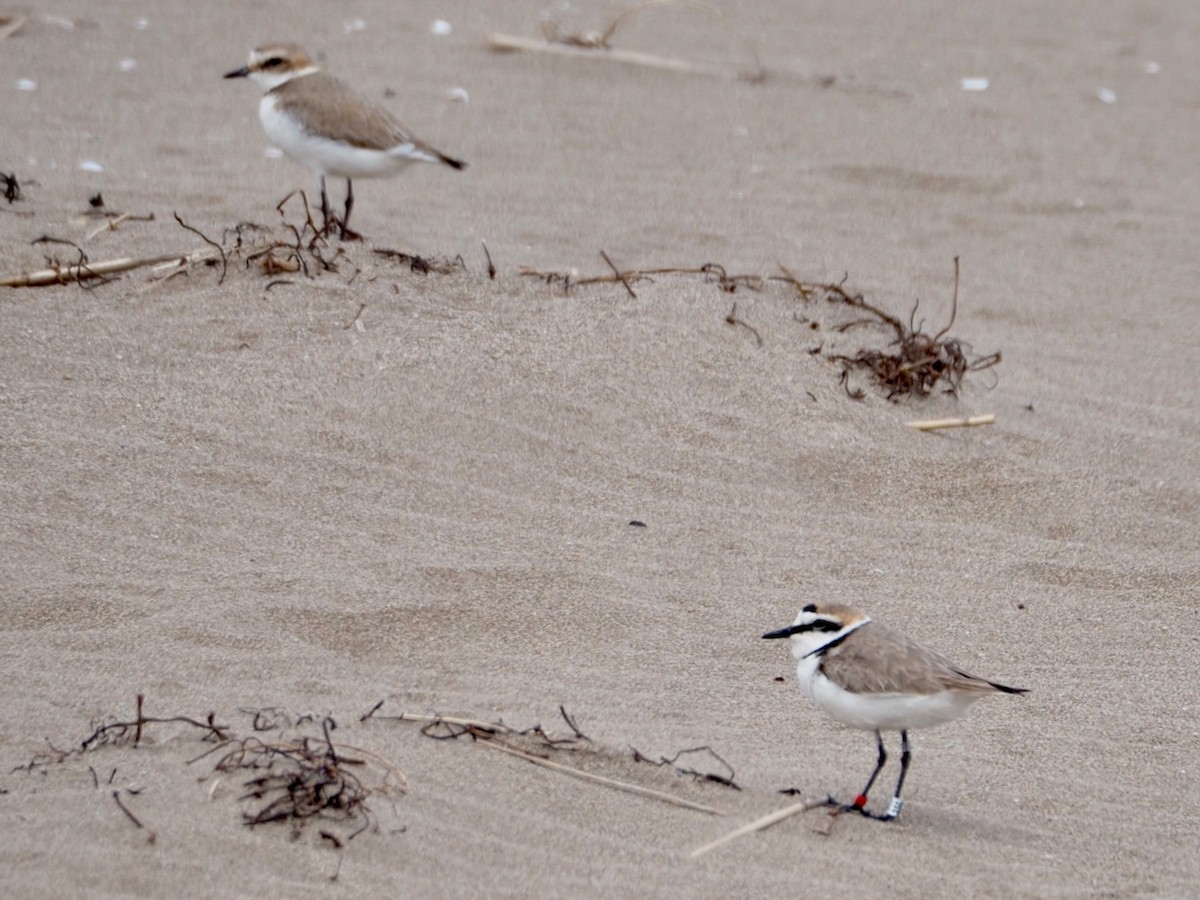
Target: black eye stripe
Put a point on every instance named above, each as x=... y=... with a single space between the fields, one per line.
x=819 y=625
x=272 y=62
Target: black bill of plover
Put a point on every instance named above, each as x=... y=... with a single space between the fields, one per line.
x=869 y=677
x=325 y=124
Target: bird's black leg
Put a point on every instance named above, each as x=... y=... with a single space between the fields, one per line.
x=905 y=756
x=347 y=234
x=860 y=802
x=324 y=205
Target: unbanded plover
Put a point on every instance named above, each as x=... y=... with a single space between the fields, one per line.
x=870 y=677
x=325 y=124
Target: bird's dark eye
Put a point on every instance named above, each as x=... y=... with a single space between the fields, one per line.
x=817 y=625
x=812 y=607
x=272 y=63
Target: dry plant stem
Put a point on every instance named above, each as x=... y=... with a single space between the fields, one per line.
x=110 y=225
x=68 y=274
x=599 y=779
x=953 y=306
x=113 y=223
x=116 y=795
x=600 y=40
x=485 y=733
x=727 y=282
x=803 y=289
x=935 y=424
x=562 y=710
x=617 y=272
x=759 y=825
x=726 y=780
x=759 y=73
x=352 y=323
x=510 y=42
x=732 y=319
x=394 y=778
x=491 y=268
x=209 y=241
x=10 y=25
x=308 y=219
x=496 y=727
x=101 y=735
x=916 y=363
x=300 y=780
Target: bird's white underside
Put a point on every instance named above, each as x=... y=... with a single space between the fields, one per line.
x=883 y=712
x=329 y=156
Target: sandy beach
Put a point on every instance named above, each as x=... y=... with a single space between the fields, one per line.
x=269 y=497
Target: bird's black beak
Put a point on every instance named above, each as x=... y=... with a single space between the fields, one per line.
x=239 y=73
x=781 y=632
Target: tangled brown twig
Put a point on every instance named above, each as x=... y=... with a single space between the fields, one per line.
x=292 y=779
x=301 y=780
x=726 y=780
x=917 y=363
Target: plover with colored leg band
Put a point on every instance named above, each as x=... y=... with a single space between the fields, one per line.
x=869 y=677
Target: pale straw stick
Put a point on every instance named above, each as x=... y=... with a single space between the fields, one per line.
x=510 y=42
x=66 y=274
x=600 y=779
x=935 y=424
x=760 y=824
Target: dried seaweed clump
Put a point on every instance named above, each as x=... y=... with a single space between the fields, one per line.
x=291 y=778
x=300 y=780
x=913 y=363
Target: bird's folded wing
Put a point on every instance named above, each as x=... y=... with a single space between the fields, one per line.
x=880 y=661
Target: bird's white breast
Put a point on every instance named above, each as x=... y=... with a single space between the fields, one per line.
x=886 y=712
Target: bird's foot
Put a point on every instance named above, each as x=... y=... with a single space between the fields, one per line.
x=335 y=224
x=860 y=806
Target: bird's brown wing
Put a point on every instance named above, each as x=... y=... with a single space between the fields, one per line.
x=359 y=121
x=876 y=660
